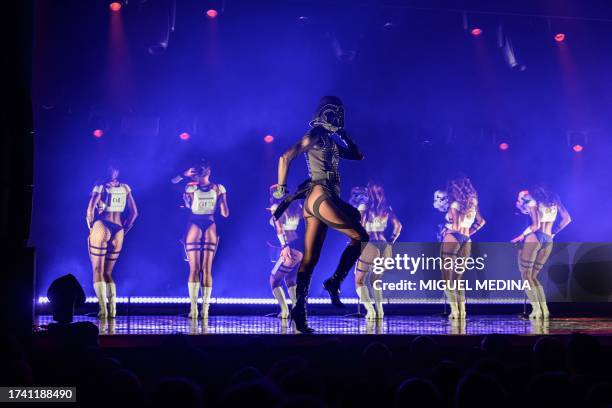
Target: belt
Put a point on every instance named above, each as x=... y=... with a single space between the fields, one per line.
x=328 y=176
x=300 y=193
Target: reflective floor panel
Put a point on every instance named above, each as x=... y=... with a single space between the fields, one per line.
x=339 y=325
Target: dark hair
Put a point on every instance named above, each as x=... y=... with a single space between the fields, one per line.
x=202 y=166
x=460 y=189
x=112 y=165
x=375 y=206
x=544 y=195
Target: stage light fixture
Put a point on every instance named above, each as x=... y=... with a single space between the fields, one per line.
x=559 y=37
x=115 y=6
x=302 y=21
x=510 y=56
x=503 y=146
x=212 y=13
x=476 y=32
x=577 y=140
x=98 y=133
x=184 y=136
x=268 y=138
x=65 y=294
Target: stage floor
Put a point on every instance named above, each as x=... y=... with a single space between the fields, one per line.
x=341 y=325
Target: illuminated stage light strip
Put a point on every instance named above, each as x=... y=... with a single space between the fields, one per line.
x=151 y=300
x=493 y=301
x=221 y=301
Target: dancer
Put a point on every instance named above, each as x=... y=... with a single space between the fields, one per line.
x=290 y=254
x=202 y=197
x=542 y=206
x=376 y=215
x=465 y=221
x=441 y=204
x=107 y=229
x=324 y=144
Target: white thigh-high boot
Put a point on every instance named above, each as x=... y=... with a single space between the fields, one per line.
x=364 y=298
x=452 y=302
x=542 y=301
x=279 y=295
x=378 y=301
x=206 y=291
x=194 y=292
x=536 y=310
x=111 y=293
x=100 y=289
x=292 y=294
x=461 y=303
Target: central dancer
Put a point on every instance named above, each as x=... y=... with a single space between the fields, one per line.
x=323 y=145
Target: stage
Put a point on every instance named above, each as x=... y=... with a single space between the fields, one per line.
x=124 y=331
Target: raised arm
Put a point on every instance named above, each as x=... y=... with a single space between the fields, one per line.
x=351 y=151
x=565 y=219
x=286 y=158
x=181 y=177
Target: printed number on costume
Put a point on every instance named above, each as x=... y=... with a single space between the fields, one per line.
x=116 y=199
x=204 y=204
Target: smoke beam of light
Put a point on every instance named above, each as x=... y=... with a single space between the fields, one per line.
x=119 y=84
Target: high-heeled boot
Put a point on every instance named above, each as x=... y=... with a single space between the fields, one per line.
x=111 y=295
x=347 y=260
x=100 y=289
x=298 y=312
x=532 y=295
x=366 y=301
x=279 y=295
x=194 y=292
x=452 y=302
x=542 y=302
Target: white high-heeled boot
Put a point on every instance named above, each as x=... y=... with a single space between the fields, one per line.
x=378 y=302
x=111 y=293
x=461 y=304
x=279 y=295
x=194 y=292
x=100 y=289
x=452 y=302
x=542 y=302
x=292 y=294
x=536 y=311
x=206 y=291
x=364 y=298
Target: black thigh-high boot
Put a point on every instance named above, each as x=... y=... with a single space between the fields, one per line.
x=298 y=312
x=347 y=260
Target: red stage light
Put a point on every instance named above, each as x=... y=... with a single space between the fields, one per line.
x=115 y=6
x=184 y=136
x=268 y=138
x=476 y=31
x=559 y=37
x=504 y=146
x=212 y=13
x=577 y=148
x=98 y=133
